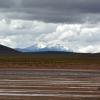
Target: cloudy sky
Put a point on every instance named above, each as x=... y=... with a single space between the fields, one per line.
x=71 y=24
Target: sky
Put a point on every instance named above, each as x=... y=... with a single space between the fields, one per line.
x=71 y=24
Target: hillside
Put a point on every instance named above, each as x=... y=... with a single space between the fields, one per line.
x=6 y=50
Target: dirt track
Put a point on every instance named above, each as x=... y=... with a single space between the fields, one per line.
x=49 y=84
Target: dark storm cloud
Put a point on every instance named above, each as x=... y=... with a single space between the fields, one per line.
x=6 y=3
x=70 y=11
x=63 y=5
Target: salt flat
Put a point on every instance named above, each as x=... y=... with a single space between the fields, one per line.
x=49 y=84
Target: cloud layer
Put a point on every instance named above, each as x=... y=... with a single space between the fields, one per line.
x=75 y=37
x=55 y=11
x=71 y=24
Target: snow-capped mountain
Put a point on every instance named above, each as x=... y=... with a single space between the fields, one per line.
x=36 y=48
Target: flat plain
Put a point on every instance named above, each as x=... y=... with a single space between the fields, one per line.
x=49 y=84
x=51 y=61
x=50 y=77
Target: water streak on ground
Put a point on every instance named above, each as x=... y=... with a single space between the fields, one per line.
x=49 y=84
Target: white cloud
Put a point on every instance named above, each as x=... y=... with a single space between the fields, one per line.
x=89 y=49
x=76 y=37
x=7 y=42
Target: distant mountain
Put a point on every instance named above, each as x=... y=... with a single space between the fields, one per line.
x=35 y=48
x=6 y=50
x=29 y=49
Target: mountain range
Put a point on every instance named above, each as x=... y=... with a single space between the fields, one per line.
x=35 y=48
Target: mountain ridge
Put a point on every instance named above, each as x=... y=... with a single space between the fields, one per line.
x=35 y=48
x=7 y=50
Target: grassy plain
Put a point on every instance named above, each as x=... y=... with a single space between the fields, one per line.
x=64 y=60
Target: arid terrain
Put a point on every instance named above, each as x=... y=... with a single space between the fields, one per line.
x=49 y=84
x=53 y=61
x=50 y=77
